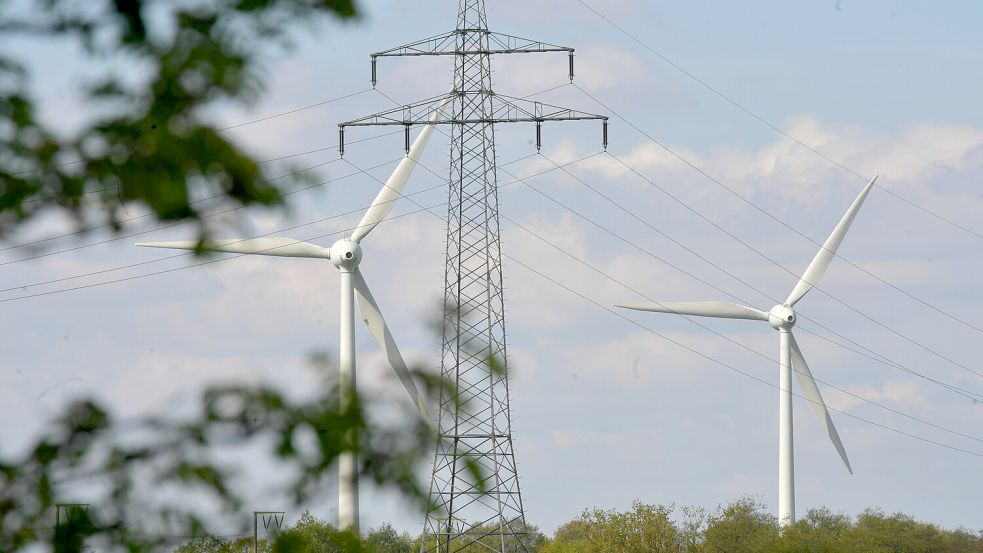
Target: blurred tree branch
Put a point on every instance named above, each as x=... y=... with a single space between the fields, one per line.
x=156 y=477
x=150 y=145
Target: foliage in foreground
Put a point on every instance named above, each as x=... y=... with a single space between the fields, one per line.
x=151 y=478
x=155 y=67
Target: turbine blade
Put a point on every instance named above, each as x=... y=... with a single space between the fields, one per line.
x=391 y=191
x=811 y=391
x=702 y=308
x=821 y=262
x=372 y=317
x=280 y=247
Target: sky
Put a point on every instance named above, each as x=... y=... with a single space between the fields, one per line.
x=608 y=407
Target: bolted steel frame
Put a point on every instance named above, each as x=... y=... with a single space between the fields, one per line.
x=476 y=501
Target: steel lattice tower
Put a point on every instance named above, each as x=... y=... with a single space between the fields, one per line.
x=474 y=424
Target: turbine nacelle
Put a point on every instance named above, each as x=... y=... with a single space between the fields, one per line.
x=345 y=254
x=781 y=317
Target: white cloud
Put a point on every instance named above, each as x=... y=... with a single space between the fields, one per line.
x=642 y=357
x=907 y=161
x=898 y=393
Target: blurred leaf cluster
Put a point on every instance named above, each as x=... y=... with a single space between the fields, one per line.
x=154 y=478
x=159 y=66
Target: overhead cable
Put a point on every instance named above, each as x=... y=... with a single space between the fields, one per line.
x=772 y=126
x=975 y=396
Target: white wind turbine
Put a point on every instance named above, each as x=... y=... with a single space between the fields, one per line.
x=782 y=318
x=346 y=254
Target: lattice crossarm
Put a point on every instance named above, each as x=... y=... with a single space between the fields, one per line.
x=450 y=44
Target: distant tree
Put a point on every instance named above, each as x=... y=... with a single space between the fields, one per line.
x=897 y=533
x=530 y=538
x=486 y=538
x=691 y=529
x=643 y=529
x=312 y=535
x=963 y=541
x=741 y=526
x=744 y=526
x=385 y=539
x=820 y=530
x=573 y=531
x=309 y=535
x=213 y=544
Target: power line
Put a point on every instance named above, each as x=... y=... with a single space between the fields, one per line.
x=267 y=118
x=261 y=162
x=789 y=271
x=280 y=158
x=261 y=119
x=764 y=294
x=710 y=358
x=774 y=218
x=974 y=396
x=864 y=351
x=776 y=263
x=212 y=197
x=179 y=223
x=185 y=254
x=701 y=325
x=771 y=125
x=183 y=267
x=754 y=351
x=428 y=209
x=733 y=341
x=733 y=368
x=921 y=438
x=113 y=269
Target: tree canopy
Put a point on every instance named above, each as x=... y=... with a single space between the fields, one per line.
x=741 y=526
x=744 y=526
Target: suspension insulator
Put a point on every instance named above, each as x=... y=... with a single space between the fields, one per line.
x=373 y=72
x=341 y=141
x=571 y=67
x=539 y=135
x=406 y=138
x=604 y=132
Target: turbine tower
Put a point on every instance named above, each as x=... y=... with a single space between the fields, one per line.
x=474 y=427
x=782 y=318
x=346 y=254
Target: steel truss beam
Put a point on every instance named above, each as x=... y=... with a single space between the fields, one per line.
x=474 y=490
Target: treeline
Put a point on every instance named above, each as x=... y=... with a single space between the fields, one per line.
x=741 y=526
x=745 y=526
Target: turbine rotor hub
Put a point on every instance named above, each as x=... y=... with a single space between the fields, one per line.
x=346 y=254
x=781 y=317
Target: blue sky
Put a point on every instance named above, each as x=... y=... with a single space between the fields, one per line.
x=604 y=412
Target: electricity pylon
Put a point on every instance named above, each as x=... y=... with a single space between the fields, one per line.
x=474 y=425
x=269 y=518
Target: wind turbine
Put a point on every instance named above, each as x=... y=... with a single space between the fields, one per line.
x=346 y=254
x=782 y=318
